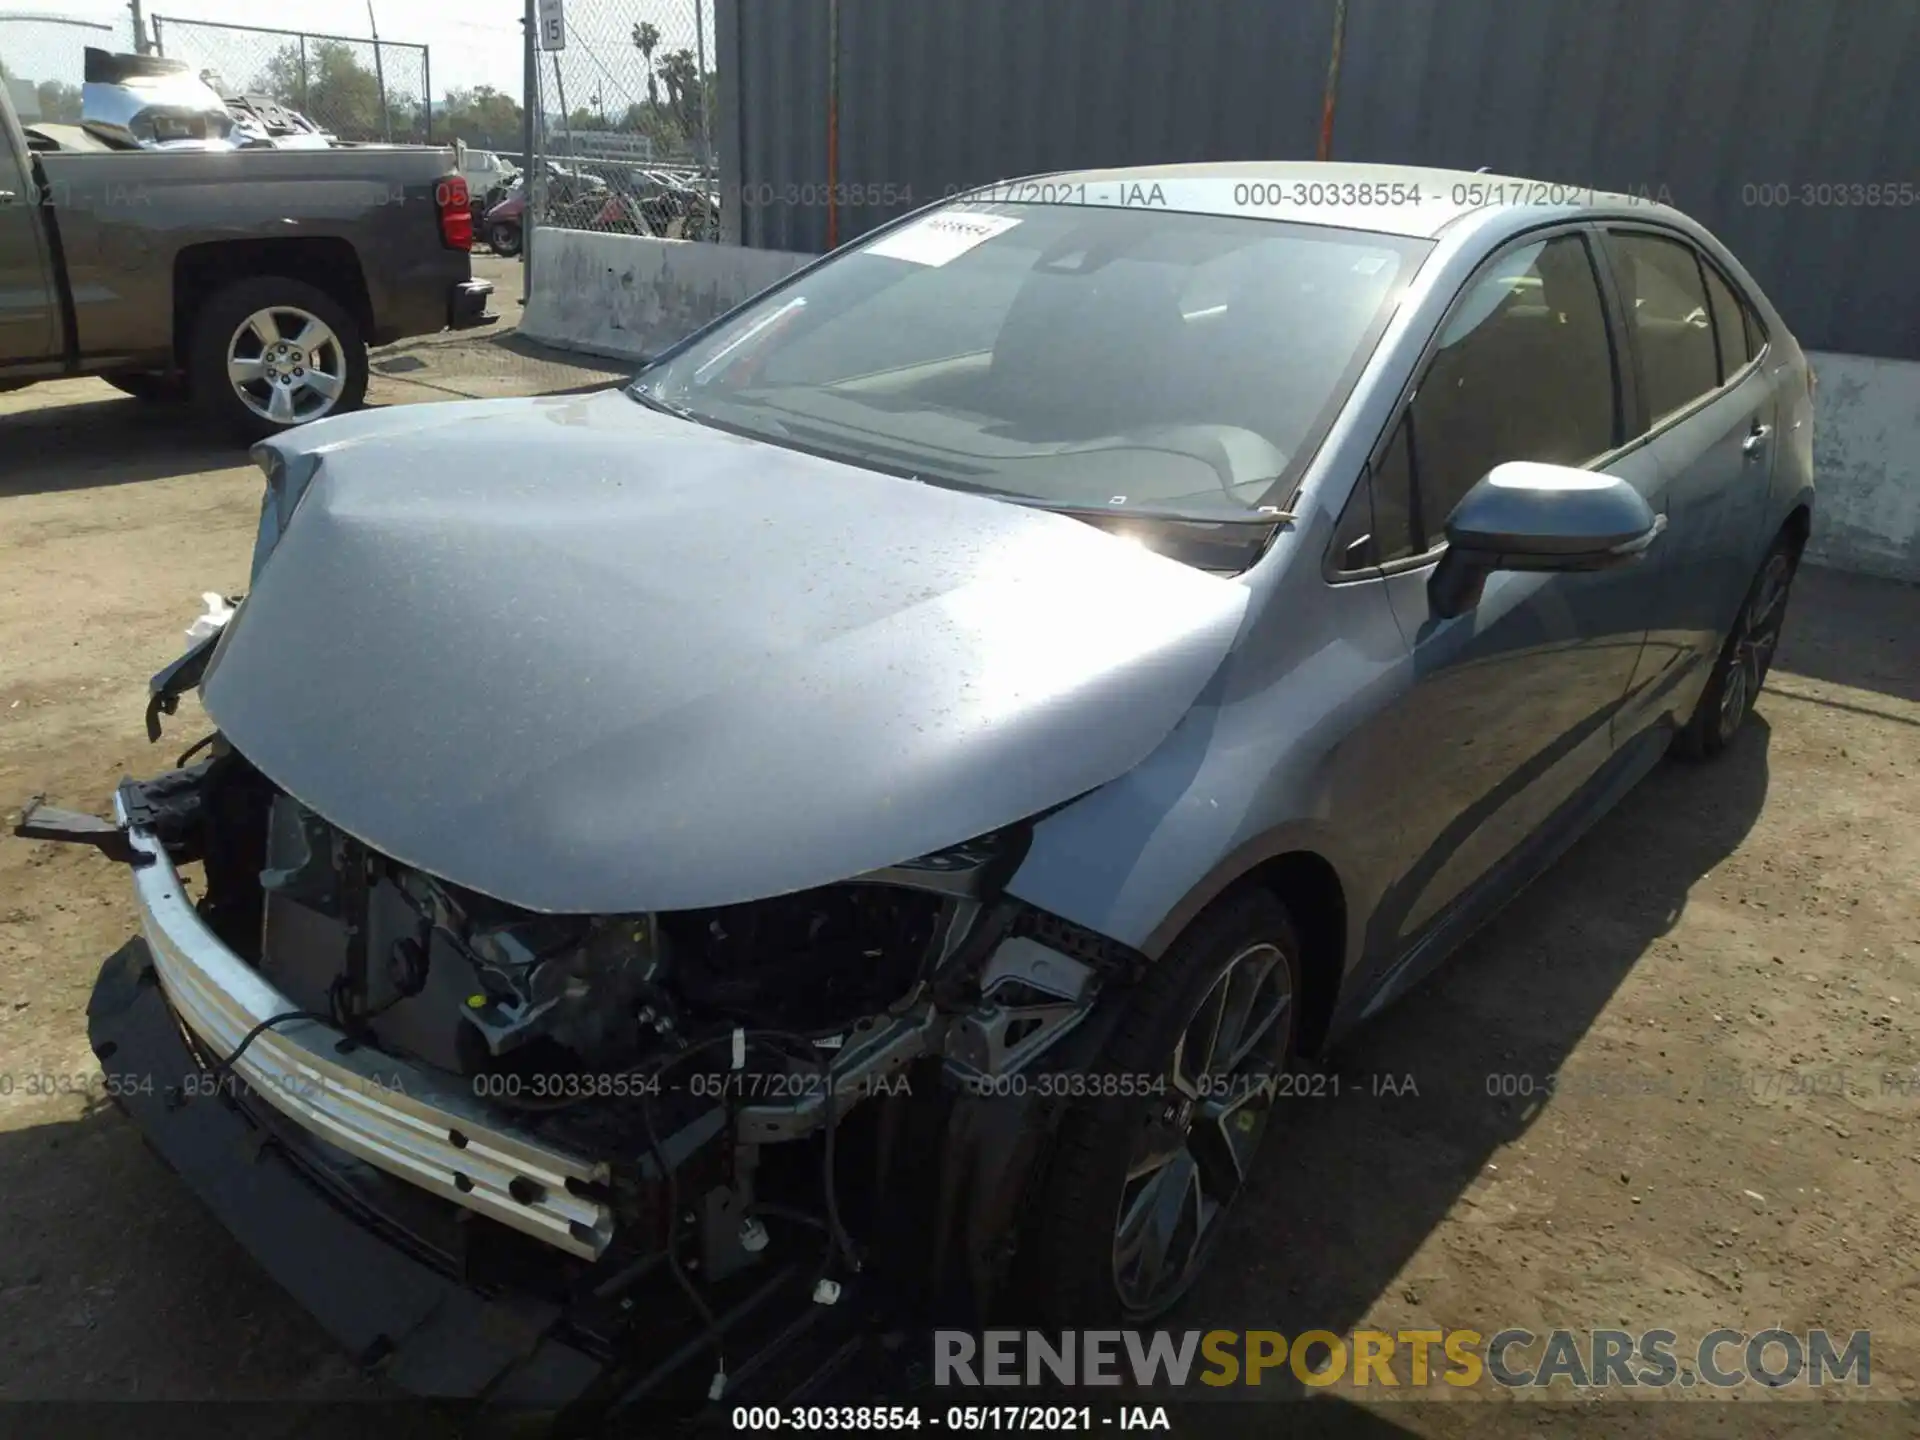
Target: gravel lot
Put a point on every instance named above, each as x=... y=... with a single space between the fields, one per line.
x=1724 y=978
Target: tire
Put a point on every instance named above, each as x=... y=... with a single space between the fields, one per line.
x=503 y=238
x=1745 y=658
x=233 y=326
x=149 y=385
x=1087 y=1267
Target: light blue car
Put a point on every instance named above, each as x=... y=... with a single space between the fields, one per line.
x=891 y=790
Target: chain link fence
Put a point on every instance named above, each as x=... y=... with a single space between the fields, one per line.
x=353 y=88
x=626 y=93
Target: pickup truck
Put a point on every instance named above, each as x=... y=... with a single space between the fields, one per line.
x=250 y=281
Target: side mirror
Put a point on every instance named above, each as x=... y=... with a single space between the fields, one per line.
x=1525 y=515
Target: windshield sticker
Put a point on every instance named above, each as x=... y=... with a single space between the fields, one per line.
x=940 y=238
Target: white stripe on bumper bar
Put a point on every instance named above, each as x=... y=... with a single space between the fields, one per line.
x=406 y=1120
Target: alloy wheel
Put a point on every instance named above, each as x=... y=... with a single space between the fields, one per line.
x=286 y=365
x=1196 y=1147
x=1757 y=636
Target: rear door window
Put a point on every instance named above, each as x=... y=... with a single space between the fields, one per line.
x=1729 y=324
x=1756 y=332
x=1666 y=306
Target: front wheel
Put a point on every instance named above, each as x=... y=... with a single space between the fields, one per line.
x=503 y=236
x=1744 y=660
x=271 y=353
x=1140 y=1185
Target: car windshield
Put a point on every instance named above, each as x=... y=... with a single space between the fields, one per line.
x=1073 y=356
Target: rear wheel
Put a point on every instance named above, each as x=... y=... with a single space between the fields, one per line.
x=272 y=353
x=1140 y=1185
x=1745 y=658
x=504 y=238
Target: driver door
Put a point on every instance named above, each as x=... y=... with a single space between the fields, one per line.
x=27 y=329
x=1507 y=721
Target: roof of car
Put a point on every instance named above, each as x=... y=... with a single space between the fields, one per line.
x=1407 y=200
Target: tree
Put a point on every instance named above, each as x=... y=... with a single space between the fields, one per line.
x=333 y=89
x=646 y=39
x=59 y=104
x=686 y=97
x=482 y=116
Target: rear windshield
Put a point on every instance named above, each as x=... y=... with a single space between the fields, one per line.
x=1076 y=356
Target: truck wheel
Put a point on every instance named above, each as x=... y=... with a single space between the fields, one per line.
x=272 y=352
x=1141 y=1180
x=148 y=385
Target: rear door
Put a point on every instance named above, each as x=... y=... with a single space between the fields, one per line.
x=27 y=330
x=1708 y=416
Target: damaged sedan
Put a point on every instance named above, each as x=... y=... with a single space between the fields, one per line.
x=856 y=828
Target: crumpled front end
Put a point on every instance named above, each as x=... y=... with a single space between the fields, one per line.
x=777 y=1097
x=598 y=882
x=422 y=1126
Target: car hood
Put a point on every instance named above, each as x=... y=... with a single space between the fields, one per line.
x=585 y=657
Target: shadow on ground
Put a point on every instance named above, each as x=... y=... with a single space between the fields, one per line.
x=1855 y=631
x=117 y=1283
x=1349 y=1186
x=109 y=441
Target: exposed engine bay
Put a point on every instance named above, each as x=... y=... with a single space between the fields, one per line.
x=475 y=987
x=818 y=1081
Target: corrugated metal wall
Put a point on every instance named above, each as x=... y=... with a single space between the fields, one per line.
x=1718 y=103
x=1719 y=106
x=937 y=95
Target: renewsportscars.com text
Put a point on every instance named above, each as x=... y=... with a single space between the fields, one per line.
x=1583 y=1359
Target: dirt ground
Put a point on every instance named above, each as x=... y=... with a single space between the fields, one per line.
x=1709 y=1010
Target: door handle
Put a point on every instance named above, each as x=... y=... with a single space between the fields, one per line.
x=7 y=197
x=1756 y=440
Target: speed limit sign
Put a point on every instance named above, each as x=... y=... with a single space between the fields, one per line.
x=553 y=24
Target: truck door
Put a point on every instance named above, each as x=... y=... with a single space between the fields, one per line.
x=27 y=329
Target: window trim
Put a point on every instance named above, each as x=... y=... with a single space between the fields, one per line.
x=1703 y=261
x=1708 y=274
x=1625 y=389
x=1749 y=313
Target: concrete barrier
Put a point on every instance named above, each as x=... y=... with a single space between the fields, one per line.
x=630 y=296
x=1866 y=454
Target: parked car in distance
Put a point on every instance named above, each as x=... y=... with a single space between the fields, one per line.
x=482 y=169
x=1085 y=647
x=488 y=175
x=504 y=225
x=251 y=280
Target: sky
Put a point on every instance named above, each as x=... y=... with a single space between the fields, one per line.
x=471 y=42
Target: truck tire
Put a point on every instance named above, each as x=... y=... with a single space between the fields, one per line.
x=273 y=352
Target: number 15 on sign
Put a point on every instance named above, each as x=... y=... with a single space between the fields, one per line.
x=553 y=24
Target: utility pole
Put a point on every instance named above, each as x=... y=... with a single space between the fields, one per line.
x=380 y=77
x=140 y=46
x=530 y=103
x=700 y=62
x=566 y=120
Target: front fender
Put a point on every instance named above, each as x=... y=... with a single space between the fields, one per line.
x=1262 y=766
